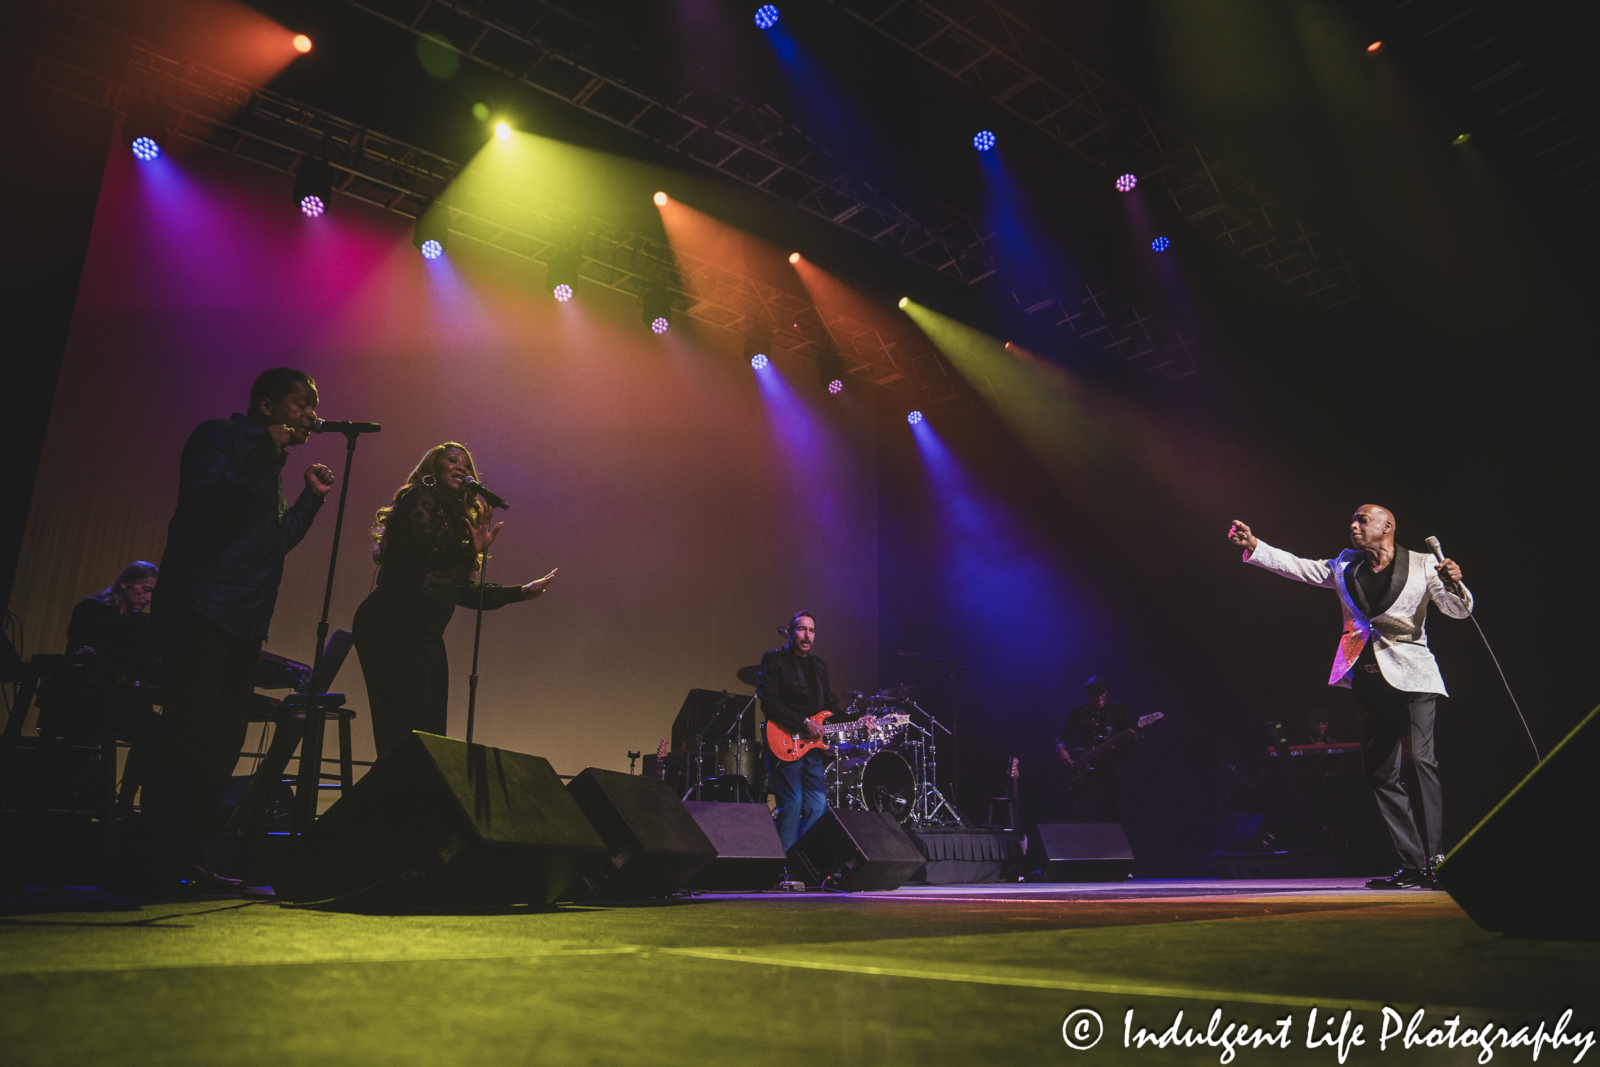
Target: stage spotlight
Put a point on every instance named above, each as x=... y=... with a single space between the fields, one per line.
x=502 y=131
x=757 y=343
x=431 y=234
x=1160 y=244
x=302 y=43
x=561 y=271
x=794 y=257
x=313 y=187
x=984 y=140
x=914 y=418
x=835 y=387
x=766 y=16
x=1375 y=48
x=830 y=368
x=145 y=128
x=903 y=302
x=480 y=111
x=656 y=305
x=660 y=199
x=1462 y=138
x=1126 y=183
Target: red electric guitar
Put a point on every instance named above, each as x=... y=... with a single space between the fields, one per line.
x=790 y=747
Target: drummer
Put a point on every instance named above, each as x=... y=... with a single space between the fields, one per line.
x=793 y=686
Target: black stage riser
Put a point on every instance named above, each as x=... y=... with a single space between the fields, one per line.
x=749 y=854
x=654 y=847
x=441 y=822
x=1081 y=852
x=968 y=857
x=1500 y=873
x=855 y=851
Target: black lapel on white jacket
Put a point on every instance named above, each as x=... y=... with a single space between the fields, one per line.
x=1397 y=581
x=1352 y=588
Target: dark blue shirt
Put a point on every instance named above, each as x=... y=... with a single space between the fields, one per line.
x=227 y=540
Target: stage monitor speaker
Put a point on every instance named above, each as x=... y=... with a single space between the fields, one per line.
x=855 y=850
x=1082 y=852
x=653 y=845
x=1243 y=832
x=749 y=854
x=439 y=822
x=1501 y=872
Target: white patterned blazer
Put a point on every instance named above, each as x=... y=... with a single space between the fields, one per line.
x=1396 y=628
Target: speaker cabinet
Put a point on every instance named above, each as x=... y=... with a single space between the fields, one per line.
x=1082 y=852
x=749 y=854
x=855 y=850
x=438 y=821
x=653 y=845
x=1519 y=872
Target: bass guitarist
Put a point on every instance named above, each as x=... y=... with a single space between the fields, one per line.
x=793 y=686
x=1100 y=795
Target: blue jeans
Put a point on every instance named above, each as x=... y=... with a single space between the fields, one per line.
x=798 y=785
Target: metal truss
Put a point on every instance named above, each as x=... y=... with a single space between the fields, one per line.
x=557 y=52
x=89 y=62
x=988 y=49
x=1479 y=36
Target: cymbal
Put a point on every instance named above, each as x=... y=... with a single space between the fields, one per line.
x=748 y=675
x=897 y=691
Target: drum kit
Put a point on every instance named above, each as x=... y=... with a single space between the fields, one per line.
x=891 y=766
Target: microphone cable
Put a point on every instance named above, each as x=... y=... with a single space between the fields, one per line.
x=1438 y=554
x=1493 y=659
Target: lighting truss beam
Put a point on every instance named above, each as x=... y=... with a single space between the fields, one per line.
x=560 y=54
x=209 y=108
x=988 y=49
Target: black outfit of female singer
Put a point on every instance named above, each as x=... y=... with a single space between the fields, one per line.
x=426 y=561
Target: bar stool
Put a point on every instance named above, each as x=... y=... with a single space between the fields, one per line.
x=298 y=721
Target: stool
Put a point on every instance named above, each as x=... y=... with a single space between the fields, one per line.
x=298 y=721
x=1011 y=811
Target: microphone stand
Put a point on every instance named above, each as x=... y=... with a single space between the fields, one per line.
x=954 y=670
x=306 y=793
x=477 y=637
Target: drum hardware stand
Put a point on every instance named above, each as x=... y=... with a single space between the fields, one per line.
x=929 y=800
x=953 y=669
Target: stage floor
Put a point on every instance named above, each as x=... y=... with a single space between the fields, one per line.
x=927 y=975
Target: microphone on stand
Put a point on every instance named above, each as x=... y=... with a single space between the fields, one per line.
x=493 y=500
x=1438 y=554
x=324 y=426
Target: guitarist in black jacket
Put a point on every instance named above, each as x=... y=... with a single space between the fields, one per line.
x=793 y=686
x=1100 y=795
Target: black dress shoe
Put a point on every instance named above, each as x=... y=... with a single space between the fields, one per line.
x=1405 y=878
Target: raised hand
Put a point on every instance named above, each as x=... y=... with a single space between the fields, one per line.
x=1240 y=535
x=319 y=479
x=537 y=586
x=483 y=534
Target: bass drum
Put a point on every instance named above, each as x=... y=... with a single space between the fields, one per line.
x=883 y=782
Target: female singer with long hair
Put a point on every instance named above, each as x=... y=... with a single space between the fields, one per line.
x=429 y=543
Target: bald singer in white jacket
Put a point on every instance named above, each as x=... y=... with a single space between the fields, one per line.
x=1383 y=657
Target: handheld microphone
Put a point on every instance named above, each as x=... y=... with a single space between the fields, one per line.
x=324 y=426
x=474 y=486
x=1438 y=554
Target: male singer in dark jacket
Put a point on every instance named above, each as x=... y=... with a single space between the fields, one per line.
x=219 y=584
x=793 y=686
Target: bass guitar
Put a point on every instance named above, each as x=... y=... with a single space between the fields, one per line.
x=1085 y=763
x=790 y=747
